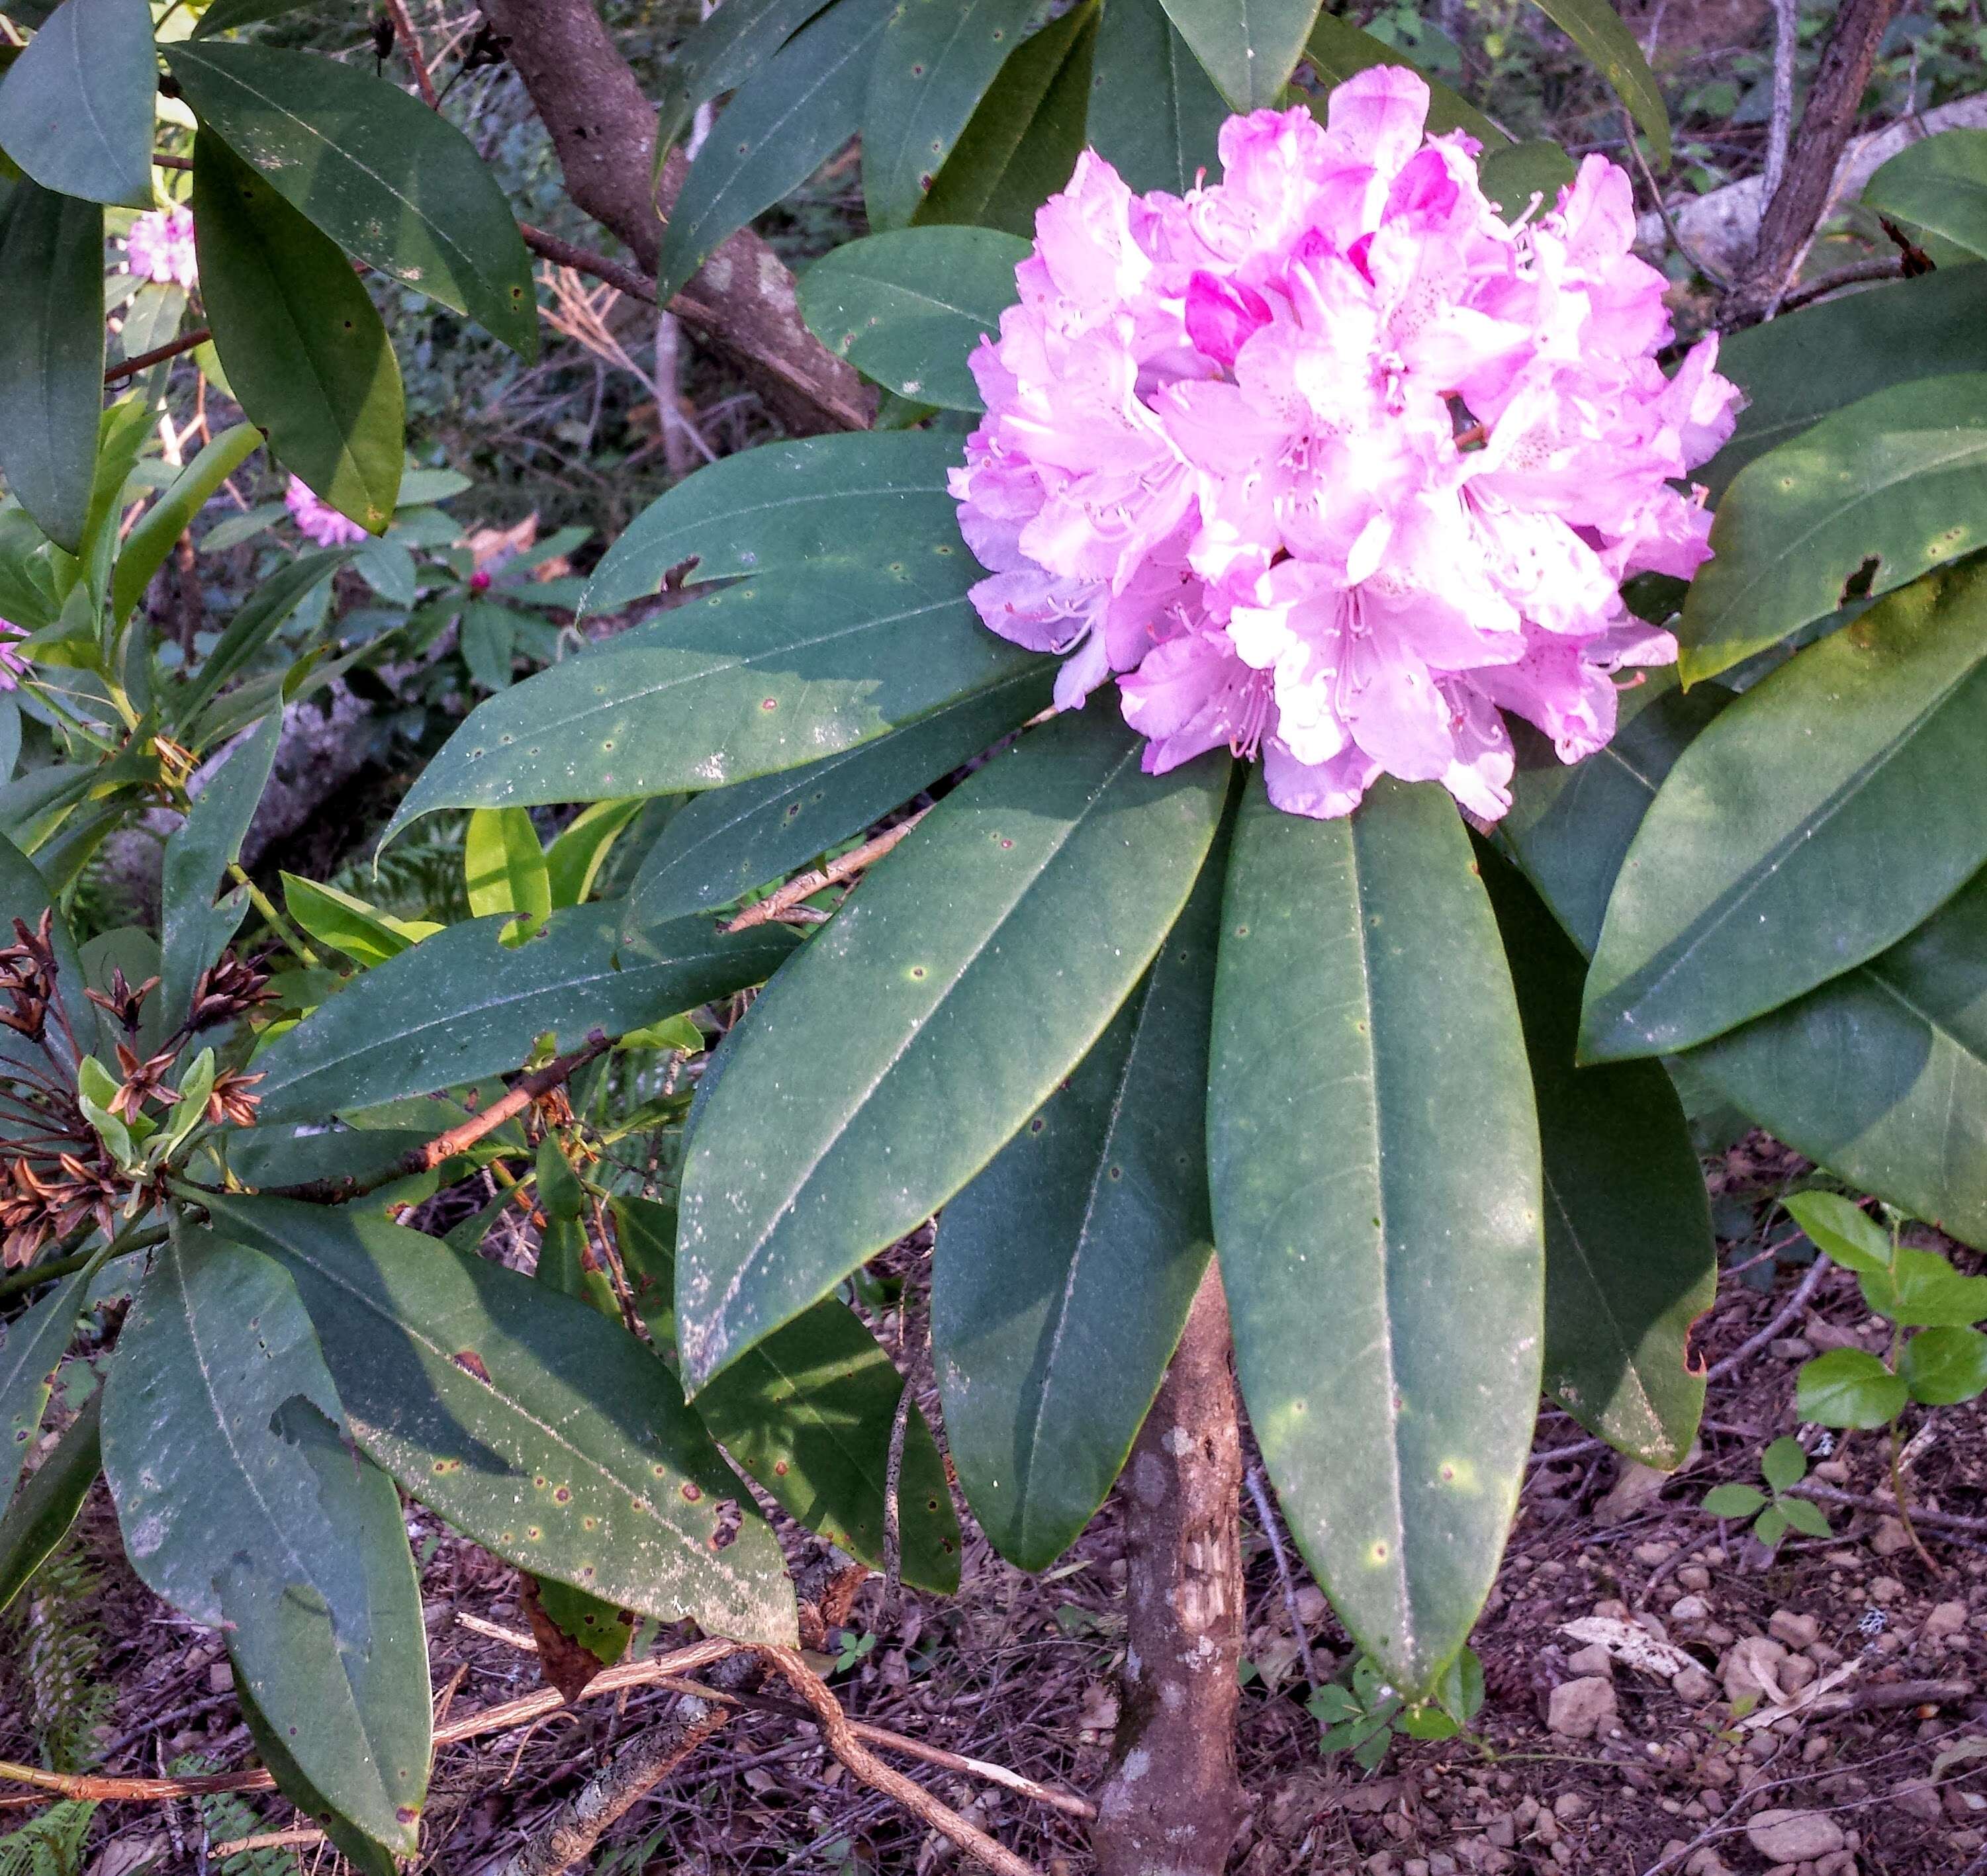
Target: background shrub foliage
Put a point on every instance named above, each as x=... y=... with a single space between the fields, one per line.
x=1415 y=1090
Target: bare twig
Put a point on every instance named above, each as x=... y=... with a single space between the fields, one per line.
x=1858 y=1501
x=893 y=1511
x=1655 y=190
x=1787 y=25
x=130 y=367
x=1266 y=1516
x=1891 y=267
x=1796 y=1304
x=776 y=905
x=584 y=261
x=410 y=43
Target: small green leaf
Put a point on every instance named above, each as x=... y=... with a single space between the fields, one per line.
x=1155 y=114
x=1847 y=1233
x=1819 y=819
x=907 y=308
x=505 y=865
x=935 y=63
x=528 y=1421
x=1849 y=1387
x=307 y=355
x=1945 y=1366
x=1939 y=183
x=42 y=1510
x=1248 y=47
x=198 y=853
x=1784 y=1463
x=75 y=107
x=464 y=1004
x=160 y=528
x=719 y=54
x=1922 y=1290
x=391 y=182
x=574 y=860
x=1773 y=1524
x=1805 y=1517
x=36 y=1341
x=345 y=922
x=51 y=358
x=905 y=1010
x=1734 y=1500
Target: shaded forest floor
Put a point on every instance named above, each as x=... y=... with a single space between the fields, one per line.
x=1582 y=1762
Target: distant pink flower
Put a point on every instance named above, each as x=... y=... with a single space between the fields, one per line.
x=319 y=520
x=13 y=664
x=159 y=247
x=1329 y=462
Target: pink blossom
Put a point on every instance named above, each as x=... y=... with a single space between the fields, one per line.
x=1329 y=462
x=319 y=520
x=160 y=247
x=13 y=664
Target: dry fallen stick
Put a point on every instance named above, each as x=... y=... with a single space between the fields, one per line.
x=779 y=904
x=1067 y=1802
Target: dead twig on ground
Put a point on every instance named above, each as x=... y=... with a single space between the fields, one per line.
x=1796 y=1305
x=1266 y=1516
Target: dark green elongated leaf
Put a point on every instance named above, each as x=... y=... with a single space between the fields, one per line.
x=1337 y=48
x=722 y=52
x=1374 y=1162
x=45 y=1506
x=242 y=1505
x=784 y=506
x=750 y=682
x=1630 y=1262
x=567 y=1259
x=51 y=356
x=223 y=15
x=1570 y=824
x=808 y=1413
x=1939 y=183
x=198 y=853
x=1821 y=817
x=1796 y=369
x=545 y=1432
x=36 y=1341
x=1513 y=175
x=306 y=355
x=365 y=1855
x=76 y=108
x=391 y=182
x=959 y=986
x=462 y=1004
x=1897 y=479
x=787 y=119
x=158 y=531
x=933 y=65
x=1024 y=138
x=259 y=620
x=1154 y=113
x=1248 y=47
x=277 y=1155
x=908 y=308
x=1063 y=1275
x=1597 y=30
x=731 y=840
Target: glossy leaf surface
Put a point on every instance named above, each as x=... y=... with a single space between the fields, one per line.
x=42 y=1510
x=1248 y=47
x=75 y=107
x=949 y=996
x=1938 y=183
x=36 y=1340
x=1374 y=1162
x=1154 y=113
x=1062 y=1274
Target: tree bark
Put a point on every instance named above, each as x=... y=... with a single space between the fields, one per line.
x=1173 y=1802
x=743 y=300
x=1795 y=209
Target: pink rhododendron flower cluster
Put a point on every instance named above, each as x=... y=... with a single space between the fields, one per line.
x=159 y=247
x=1330 y=462
x=13 y=665
x=319 y=520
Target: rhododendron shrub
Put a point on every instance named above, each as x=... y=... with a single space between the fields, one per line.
x=1328 y=460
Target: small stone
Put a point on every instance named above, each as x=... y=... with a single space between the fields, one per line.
x=1689 y=1609
x=1920 y=1799
x=1706 y=1862
x=1594 y=1660
x=1694 y=1577
x=221 y=1679
x=1818 y=1334
x=1794 y=1837
x=1694 y=1685
x=1441 y=1863
x=1842 y=1863
x=1503 y=1832
x=1545 y=1827
x=1797 y=1631
x=1891 y=1538
x=1570 y=1806
x=1750 y=1670
x=1789 y=1348
x=1834 y=1471
x=1885 y=1589
x=1637 y=1487
x=1947 y=1619
x=1415 y=1865
x=1580 y=1709
x=1311 y=1604
x=1654 y=1554
x=1562 y=1854
x=1795 y=1671
x=1381 y=1864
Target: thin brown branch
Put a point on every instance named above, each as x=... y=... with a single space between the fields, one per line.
x=778 y=905
x=1891 y=267
x=1890 y=1507
x=1779 y=1326
x=158 y=354
x=553 y=247
x=410 y=42
x=161 y=160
